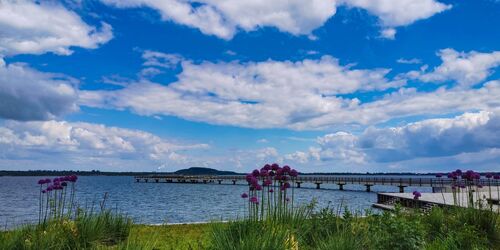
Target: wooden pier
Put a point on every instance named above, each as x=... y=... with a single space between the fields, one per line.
x=436 y=184
x=427 y=201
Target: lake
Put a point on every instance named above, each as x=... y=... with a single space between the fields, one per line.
x=155 y=203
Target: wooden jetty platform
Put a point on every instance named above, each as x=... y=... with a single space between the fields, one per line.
x=436 y=184
x=387 y=201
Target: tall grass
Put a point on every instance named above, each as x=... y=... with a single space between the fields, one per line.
x=87 y=231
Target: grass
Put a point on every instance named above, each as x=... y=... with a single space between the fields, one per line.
x=326 y=229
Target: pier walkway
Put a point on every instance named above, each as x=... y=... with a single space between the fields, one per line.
x=436 y=184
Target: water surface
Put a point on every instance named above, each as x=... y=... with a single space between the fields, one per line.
x=155 y=203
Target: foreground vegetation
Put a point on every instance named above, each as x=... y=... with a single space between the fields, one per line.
x=326 y=229
x=272 y=222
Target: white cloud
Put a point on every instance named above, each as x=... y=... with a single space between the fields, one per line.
x=308 y=94
x=223 y=18
x=394 y=13
x=388 y=33
x=36 y=28
x=27 y=94
x=466 y=68
x=86 y=145
x=248 y=94
x=409 y=61
x=470 y=133
x=162 y=60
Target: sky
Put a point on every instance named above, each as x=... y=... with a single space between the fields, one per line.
x=321 y=85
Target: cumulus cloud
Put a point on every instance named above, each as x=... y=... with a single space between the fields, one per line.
x=394 y=13
x=409 y=61
x=460 y=136
x=223 y=18
x=307 y=94
x=27 y=94
x=36 y=28
x=247 y=94
x=85 y=143
x=466 y=68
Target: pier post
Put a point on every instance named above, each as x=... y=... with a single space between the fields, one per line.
x=401 y=188
x=368 y=187
x=137 y=180
x=204 y=181
x=220 y=181
x=318 y=185
x=146 y=180
x=234 y=182
x=298 y=184
x=341 y=186
x=156 y=180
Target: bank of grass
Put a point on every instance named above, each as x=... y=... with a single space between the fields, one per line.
x=326 y=229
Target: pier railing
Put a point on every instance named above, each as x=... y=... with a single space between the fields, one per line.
x=318 y=180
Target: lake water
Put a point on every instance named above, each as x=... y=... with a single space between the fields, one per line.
x=155 y=203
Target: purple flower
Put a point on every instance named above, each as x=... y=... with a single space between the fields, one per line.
x=244 y=195
x=496 y=177
x=41 y=182
x=266 y=167
x=254 y=200
x=275 y=166
x=264 y=173
x=64 y=184
x=249 y=178
x=458 y=172
x=48 y=180
x=258 y=187
x=479 y=186
x=255 y=173
x=286 y=169
x=50 y=188
x=462 y=186
x=73 y=178
x=294 y=173
x=453 y=187
x=286 y=185
x=439 y=175
x=279 y=171
x=271 y=190
x=267 y=182
x=489 y=175
x=416 y=195
x=451 y=175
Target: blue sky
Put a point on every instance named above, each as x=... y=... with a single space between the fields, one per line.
x=324 y=85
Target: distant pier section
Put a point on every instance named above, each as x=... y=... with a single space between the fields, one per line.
x=436 y=184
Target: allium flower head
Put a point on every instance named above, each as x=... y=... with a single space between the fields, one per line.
x=256 y=173
x=258 y=187
x=275 y=166
x=489 y=175
x=271 y=190
x=416 y=195
x=254 y=200
x=286 y=169
x=439 y=175
x=244 y=195
x=267 y=182
x=496 y=177
x=294 y=173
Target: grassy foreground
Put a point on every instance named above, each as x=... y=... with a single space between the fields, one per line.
x=440 y=229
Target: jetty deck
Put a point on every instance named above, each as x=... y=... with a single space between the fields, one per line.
x=429 y=200
x=437 y=184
